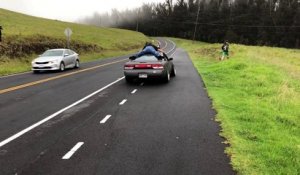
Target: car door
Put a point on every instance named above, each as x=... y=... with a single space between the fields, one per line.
x=68 y=59
x=73 y=57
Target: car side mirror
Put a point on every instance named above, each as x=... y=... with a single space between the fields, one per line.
x=170 y=59
x=65 y=55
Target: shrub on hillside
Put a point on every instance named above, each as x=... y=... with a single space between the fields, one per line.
x=17 y=46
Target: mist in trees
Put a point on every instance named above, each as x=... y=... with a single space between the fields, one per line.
x=251 y=22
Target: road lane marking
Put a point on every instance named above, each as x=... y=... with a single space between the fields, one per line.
x=105 y=119
x=142 y=84
x=56 y=77
x=4 y=142
x=123 y=102
x=134 y=91
x=73 y=150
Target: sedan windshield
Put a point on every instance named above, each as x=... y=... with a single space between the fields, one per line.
x=146 y=58
x=52 y=53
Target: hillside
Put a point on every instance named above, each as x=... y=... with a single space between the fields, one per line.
x=26 y=36
x=256 y=94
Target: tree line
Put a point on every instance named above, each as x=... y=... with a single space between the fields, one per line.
x=250 y=22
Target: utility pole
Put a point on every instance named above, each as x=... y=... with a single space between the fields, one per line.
x=271 y=2
x=196 y=23
x=100 y=21
x=137 y=20
x=1 y=34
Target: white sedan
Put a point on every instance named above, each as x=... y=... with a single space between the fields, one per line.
x=56 y=59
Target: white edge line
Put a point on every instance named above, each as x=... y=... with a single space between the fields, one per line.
x=72 y=151
x=123 y=101
x=4 y=142
x=134 y=91
x=105 y=119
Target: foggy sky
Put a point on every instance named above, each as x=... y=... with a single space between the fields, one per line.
x=69 y=10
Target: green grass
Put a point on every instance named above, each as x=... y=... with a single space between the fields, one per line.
x=256 y=94
x=113 y=41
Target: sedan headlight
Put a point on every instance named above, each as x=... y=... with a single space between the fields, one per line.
x=53 y=62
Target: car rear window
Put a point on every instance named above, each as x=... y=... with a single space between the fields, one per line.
x=146 y=58
x=51 y=53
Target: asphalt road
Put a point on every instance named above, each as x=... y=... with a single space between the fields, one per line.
x=142 y=128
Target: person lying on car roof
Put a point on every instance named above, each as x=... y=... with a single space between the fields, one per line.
x=150 y=48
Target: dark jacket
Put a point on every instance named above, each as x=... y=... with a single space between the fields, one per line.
x=225 y=47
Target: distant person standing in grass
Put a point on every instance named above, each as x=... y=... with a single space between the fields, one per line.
x=225 y=50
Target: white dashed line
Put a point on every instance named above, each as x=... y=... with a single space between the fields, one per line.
x=73 y=150
x=123 y=101
x=134 y=91
x=105 y=119
x=142 y=84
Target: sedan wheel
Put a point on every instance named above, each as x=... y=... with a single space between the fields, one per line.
x=173 y=72
x=167 y=78
x=62 y=67
x=77 y=64
x=129 y=80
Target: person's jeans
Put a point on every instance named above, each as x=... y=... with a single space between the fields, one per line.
x=149 y=50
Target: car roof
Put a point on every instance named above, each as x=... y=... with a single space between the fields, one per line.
x=57 y=49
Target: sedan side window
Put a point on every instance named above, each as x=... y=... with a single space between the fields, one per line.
x=71 y=52
x=68 y=52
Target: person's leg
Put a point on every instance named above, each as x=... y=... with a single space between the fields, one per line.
x=144 y=51
x=223 y=55
x=227 y=55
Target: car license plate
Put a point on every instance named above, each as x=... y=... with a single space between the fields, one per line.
x=143 y=75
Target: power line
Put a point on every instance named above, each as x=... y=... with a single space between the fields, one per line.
x=229 y=25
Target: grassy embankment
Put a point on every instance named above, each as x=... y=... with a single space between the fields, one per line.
x=24 y=37
x=256 y=94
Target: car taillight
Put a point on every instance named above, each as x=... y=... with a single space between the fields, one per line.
x=157 y=66
x=129 y=66
x=143 y=66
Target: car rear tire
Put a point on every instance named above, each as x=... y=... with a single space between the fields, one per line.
x=167 y=77
x=77 y=64
x=62 y=67
x=173 y=72
x=129 y=79
x=36 y=71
